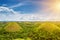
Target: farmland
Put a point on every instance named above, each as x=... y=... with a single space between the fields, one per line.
x=29 y=30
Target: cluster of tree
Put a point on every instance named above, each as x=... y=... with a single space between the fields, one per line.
x=29 y=31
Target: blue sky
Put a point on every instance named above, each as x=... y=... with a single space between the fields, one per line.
x=26 y=7
x=29 y=10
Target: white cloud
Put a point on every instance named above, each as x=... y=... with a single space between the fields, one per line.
x=20 y=4
x=11 y=15
x=6 y=10
x=17 y=5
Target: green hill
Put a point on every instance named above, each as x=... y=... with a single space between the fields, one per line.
x=12 y=27
x=50 y=27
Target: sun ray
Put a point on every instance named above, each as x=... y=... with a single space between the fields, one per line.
x=53 y=6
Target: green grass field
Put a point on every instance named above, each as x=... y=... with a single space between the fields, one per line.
x=29 y=30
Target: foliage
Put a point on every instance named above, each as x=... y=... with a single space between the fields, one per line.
x=29 y=31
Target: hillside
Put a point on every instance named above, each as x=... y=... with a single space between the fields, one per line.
x=29 y=30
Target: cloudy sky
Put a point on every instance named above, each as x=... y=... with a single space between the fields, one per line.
x=29 y=10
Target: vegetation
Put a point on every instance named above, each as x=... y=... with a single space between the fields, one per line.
x=29 y=30
x=12 y=27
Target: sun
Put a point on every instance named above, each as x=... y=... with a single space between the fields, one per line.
x=58 y=5
x=53 y=6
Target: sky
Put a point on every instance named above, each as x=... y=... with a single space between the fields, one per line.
x=29 y=10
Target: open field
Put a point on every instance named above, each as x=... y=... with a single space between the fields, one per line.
x=29 y=30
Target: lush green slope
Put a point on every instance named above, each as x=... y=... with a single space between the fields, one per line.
x=29 y=30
